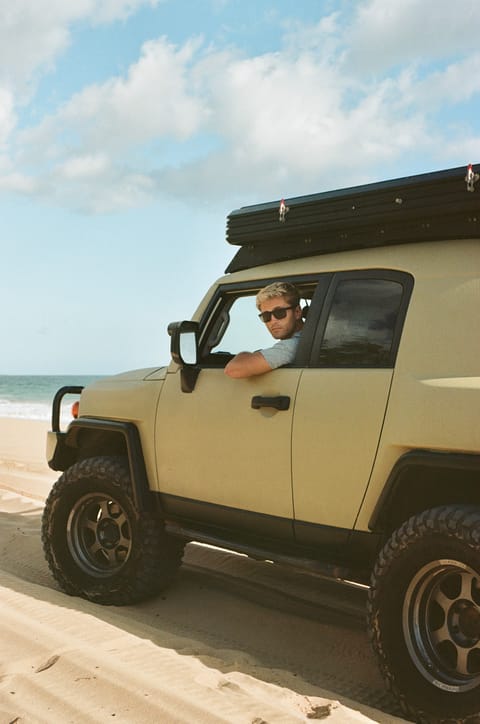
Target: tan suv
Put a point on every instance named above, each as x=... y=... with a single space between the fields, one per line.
x=361 y=460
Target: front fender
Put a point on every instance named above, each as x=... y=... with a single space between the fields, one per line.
x=66 y=448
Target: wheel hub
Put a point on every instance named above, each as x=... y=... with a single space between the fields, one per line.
x=99 y=535
x=108 y=534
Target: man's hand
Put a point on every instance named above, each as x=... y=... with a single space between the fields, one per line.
x=247 y=364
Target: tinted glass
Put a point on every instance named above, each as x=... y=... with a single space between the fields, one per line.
x=361 y=325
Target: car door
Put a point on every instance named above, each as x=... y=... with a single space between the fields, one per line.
x=342 y=399
x=219 y=459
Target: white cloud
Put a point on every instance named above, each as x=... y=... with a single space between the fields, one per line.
x=88 y=166
x=100 y=193
x=34 y=32
x=386 y=34
x=456 y=83
x=17 y=182
x=106 y=11
x=292 y=121
x=7 y=115
x=95 y=132
x=153 y=101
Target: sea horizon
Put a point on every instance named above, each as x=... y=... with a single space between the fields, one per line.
x=30 y=397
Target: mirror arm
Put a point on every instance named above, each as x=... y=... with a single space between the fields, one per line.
x=188 y=378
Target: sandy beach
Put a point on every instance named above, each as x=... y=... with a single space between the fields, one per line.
x=233 y=640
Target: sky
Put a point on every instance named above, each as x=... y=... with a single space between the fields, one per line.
x=129 y=129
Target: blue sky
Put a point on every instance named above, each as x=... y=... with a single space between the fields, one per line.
x=130 y=128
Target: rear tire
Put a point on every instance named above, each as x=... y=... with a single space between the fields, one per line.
x=424 y=614
x=97 y=544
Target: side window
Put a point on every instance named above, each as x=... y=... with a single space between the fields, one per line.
x=361 y=326
x=233 y=325
x=244 y=332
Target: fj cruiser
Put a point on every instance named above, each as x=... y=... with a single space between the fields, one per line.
x=360 y=461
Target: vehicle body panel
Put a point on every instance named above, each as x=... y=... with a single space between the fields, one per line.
x=212 y=446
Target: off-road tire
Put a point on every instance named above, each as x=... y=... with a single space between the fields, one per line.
x=97 y=545
x=424 y=615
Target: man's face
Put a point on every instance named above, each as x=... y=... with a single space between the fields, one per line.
x=286 y=327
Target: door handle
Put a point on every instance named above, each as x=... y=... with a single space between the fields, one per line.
x=282 y=402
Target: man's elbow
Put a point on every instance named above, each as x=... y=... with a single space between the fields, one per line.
x=247 y=364
x=233 y=370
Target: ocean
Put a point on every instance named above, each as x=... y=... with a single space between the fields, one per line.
x=31 y=396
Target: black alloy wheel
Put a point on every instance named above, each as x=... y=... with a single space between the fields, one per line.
x=424 y=615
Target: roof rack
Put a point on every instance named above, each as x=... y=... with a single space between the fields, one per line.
x=427 y=207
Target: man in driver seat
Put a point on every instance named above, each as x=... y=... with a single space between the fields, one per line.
x=279 y=306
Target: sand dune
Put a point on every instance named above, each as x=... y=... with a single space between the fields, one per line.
x=233 y=640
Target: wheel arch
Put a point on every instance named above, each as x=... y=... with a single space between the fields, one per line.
x=91 y=437
x=423 y=479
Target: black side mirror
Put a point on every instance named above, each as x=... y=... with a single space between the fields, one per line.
x=184 y=351
x=184 y=342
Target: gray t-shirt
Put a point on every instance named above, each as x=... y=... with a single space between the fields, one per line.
x=283 y=352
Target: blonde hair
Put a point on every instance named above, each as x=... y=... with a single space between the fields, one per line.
x=279 y=289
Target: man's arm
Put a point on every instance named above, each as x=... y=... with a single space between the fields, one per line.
x=247 y=364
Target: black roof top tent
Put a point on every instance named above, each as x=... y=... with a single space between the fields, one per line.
x=428 y=207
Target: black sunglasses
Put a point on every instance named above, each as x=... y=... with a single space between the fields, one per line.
x=278 y=313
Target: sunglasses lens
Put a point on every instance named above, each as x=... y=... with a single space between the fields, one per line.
x=278 y=313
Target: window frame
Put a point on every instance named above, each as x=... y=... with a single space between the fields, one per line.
x=226 y=292
x=403 y=278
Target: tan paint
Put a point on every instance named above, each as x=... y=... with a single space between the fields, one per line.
x=338 y=420
x=212 y=446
